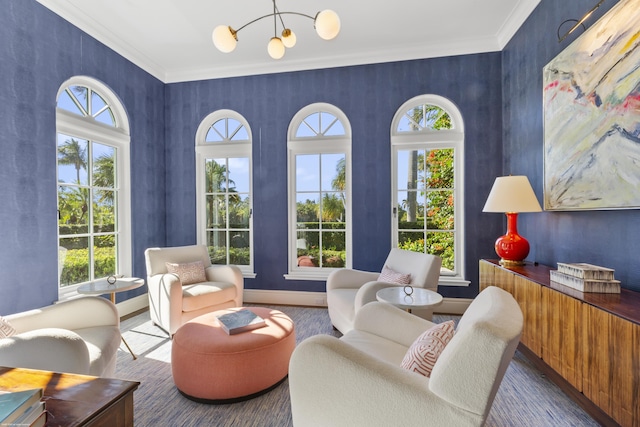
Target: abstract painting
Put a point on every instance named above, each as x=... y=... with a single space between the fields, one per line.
x=592 y=116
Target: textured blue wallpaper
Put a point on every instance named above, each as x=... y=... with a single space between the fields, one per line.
x=608 y=238
x=369 y=95
x=38 y=52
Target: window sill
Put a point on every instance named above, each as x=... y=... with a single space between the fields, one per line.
x=319 y=276
x=452 y=281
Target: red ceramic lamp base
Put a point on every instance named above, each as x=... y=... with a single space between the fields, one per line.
x=512 y=248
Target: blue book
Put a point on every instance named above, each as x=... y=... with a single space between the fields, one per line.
x=240 y=321
x=15 y=403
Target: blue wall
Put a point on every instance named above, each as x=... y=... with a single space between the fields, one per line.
x=369 y=96
x=608 y=238
x=499 y=95
x=38 y=52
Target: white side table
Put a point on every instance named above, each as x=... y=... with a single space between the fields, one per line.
x=102 y=286
x=420 y=298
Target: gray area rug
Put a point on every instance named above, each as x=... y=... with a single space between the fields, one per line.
x=525 y=398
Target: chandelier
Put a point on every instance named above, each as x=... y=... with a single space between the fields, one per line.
x=326 y=24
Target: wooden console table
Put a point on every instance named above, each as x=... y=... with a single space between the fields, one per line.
x=76 y=400
x=587 y=343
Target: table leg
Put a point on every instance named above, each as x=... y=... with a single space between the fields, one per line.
x=113 y=300
x=129 y=348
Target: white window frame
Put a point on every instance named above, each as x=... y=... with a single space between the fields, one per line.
x=227 y=149
x=317 y=145
x=118 y=136
x=428 y=139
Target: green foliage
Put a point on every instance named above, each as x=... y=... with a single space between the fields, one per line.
x=440 y=244
x=436 y=176
x=237 y=256
x=76 y=265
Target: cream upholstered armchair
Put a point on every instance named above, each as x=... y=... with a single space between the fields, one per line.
x=348 y=290
x=79 y=336
x=358 y=379
x=174 y=300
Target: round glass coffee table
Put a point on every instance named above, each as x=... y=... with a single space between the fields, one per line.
x=409 y=299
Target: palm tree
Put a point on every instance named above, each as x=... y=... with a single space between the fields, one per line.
x=72 y=152
x=216 y=176
x=104 y=176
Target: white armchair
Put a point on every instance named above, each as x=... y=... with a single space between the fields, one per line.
x=80 y=336
x=348 y=290
x=171 y=303
x=358 y=380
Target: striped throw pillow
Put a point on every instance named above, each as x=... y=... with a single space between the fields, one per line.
x=390 y=276
x=189 y=273
x=425 y=350
x=6 y=330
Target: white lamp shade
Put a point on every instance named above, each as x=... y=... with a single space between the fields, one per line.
x=288 y=38
x=512 y=194
x=275 y=48
x=327 y=24
x=224 y=39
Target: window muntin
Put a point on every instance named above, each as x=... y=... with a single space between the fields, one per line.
x=427 y=141
x=86 y=102
x=224 y=201
x=93 y=191
x=319 y=192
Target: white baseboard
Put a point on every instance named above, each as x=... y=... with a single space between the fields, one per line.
x=301 y=298
x=260 y=296
x=132 y=305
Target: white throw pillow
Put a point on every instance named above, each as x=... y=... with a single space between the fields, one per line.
x=189 y=273
x=6 y=330
x=425 y=350
x=390 y=276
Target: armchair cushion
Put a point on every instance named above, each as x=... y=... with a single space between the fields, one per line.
x=424 y=352
x=390 y=276
x=189 y=272
x=6 y=329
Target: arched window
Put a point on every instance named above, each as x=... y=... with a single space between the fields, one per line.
x=319 y=165
x=224 y=189
x=427 y=141
x=93 y=169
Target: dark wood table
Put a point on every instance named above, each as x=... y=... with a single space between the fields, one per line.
x=76 y=400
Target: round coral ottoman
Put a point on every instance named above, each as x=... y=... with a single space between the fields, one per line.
x=209 y=365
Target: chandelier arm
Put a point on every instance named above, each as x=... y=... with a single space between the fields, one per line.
x=272 y=14
x=275 y=21
x=279 y=14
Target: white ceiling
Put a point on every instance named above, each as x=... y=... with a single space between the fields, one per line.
x=171 y=39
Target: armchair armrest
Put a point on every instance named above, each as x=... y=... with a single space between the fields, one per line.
x=225 y=273
x=85 y=312
x=50 y=349
x=165 y=299
x=391 y=323
x=334 y=384
x=348 y=278
x=229 y=274
x=367 y=293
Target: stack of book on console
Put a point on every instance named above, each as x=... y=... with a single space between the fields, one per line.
x=22 y=408
x=586 y=278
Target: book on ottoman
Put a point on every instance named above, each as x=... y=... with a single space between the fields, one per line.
x=240 y=321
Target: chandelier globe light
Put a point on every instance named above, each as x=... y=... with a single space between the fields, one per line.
x=325 y=22
x=275 y=48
